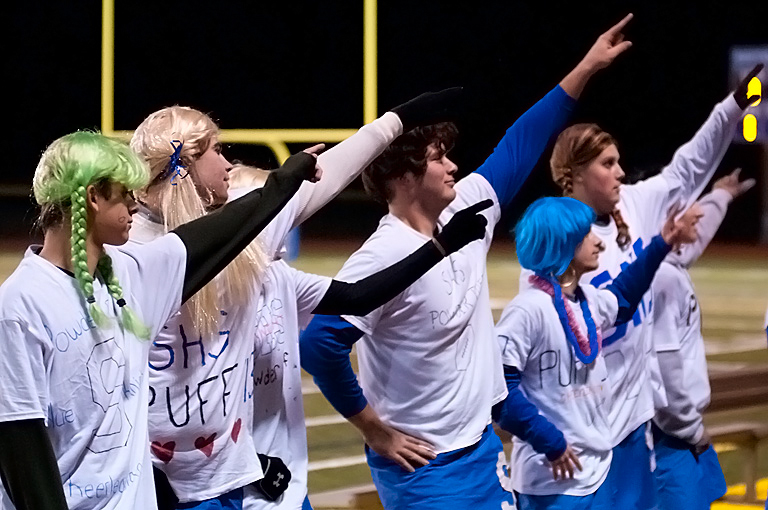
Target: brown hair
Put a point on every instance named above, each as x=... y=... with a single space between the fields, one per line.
x=407 y=154
x=574 y=149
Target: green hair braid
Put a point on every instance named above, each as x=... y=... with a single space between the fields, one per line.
x=130 y=319
x=80 y=256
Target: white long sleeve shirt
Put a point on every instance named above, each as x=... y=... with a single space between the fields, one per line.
x=677 y=330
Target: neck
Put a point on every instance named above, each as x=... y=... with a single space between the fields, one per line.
x=57 y=249
x=580 y=195
x=414 y=214
x=151 y=201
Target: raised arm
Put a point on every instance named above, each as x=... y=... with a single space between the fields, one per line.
x=695 y=162
x=214 y=240
x=713 y=206
x=521 y=147
x=635 y=279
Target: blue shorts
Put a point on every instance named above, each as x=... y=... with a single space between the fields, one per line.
x=598 y=500
x=232 y=500
x=469 y=478
x=684 y=481
x=630 y=479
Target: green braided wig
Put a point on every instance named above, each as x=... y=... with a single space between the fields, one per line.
x=66 y=169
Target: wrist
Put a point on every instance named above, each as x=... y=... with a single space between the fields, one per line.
x=366 y=421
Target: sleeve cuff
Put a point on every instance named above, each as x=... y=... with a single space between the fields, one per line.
x=721 y=197
x=731 y=107
x=567 y=101
x=557 y=450
x=391 y=122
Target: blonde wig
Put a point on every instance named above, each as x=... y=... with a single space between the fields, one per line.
x=180 y=201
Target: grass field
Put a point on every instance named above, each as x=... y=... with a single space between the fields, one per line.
x=732 y=287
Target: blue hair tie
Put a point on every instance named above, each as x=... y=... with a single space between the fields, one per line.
x=175 y=166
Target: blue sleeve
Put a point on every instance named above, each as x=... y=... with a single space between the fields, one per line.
x=521 y=147
x=635 y=280
x=324 y=349
x=517 y=415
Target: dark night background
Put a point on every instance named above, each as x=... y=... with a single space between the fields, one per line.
x=299 y=65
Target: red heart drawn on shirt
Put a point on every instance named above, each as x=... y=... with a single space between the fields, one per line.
x=236 y=429
x=205 y=444
x=163 y=452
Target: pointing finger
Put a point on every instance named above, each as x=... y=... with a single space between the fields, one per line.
x=475 y=208
x=621 y=24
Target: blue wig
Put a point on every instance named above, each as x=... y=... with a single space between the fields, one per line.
x=550 y=231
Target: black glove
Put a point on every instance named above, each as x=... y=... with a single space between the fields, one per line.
x=300 y=165
x=430 y=108
x=276 y=477
x=466 y=226
x=740 y=94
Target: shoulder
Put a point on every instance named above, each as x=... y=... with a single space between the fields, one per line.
x=472 y=189
x=391 y=242
x=530 y=305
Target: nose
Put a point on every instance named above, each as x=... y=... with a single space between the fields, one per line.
x=452 y=168
x=600 y=245
x=619 y=172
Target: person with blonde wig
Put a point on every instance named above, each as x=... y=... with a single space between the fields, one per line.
x=585 y=164
x=77 y=316
x=221 y=430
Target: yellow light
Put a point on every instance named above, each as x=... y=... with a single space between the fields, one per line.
x=754 y=88
x=750 y=128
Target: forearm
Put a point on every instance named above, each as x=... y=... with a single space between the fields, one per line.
x=344 y=162
x=635 y=280
x=364 y=296
x=518 y=416
x=215 y=239
x=695 y=162
x=28 y=466
x=680 y=418
x=325 y=347
x=714 y=206
x=519 y=150
x=574 y=82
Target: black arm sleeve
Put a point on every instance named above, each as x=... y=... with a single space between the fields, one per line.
x=364 y=296
x=214 y=240
x=28 y=466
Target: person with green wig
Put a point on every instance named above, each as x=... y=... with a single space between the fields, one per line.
x=77 y=314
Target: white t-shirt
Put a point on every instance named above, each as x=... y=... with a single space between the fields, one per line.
x=89 y=384
x=637 y=386
x=285 y=305
x=574 y=397
x=428 y=361
x=199 y=419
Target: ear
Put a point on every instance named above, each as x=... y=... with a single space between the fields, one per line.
x=93 y=199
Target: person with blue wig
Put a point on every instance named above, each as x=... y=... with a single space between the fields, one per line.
x=550 y=337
